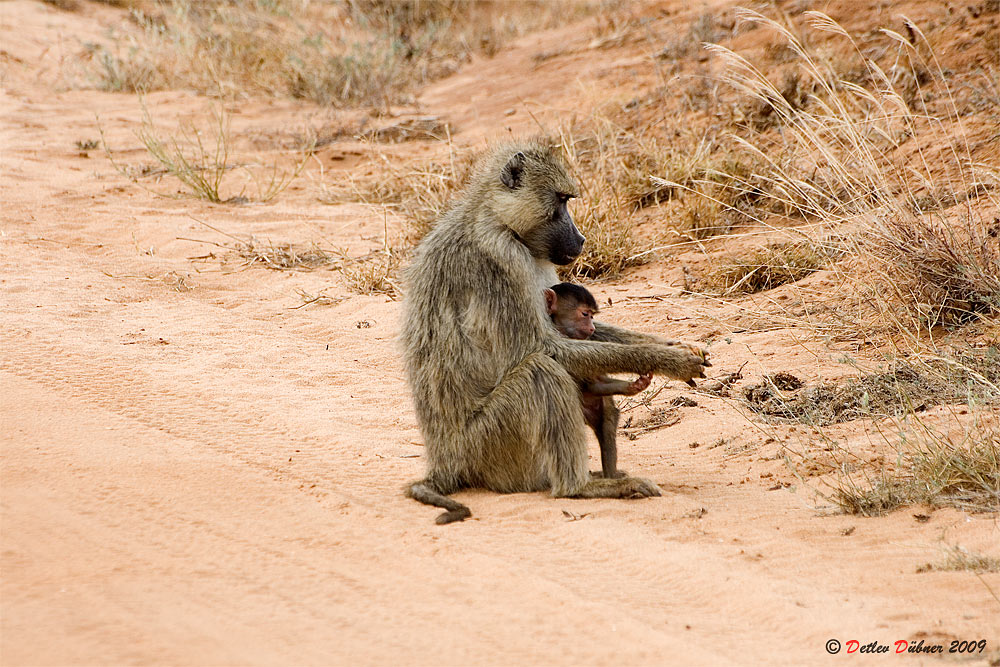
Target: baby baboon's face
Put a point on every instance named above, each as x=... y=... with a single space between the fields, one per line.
x=572 y=318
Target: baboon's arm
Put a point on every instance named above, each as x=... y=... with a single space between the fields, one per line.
x=609 y=333
x=586 y=359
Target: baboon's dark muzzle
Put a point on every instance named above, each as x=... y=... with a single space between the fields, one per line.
x=568 y=245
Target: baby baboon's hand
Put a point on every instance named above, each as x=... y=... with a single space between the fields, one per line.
x=641 y=383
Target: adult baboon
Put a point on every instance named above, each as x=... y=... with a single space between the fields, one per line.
x=499 y=406
x=572 y=308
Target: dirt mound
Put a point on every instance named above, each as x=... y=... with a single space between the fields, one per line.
x=904 y=389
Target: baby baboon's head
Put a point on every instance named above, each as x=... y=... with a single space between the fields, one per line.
x=572 y=308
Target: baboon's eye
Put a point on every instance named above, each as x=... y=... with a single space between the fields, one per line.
x=563 y=197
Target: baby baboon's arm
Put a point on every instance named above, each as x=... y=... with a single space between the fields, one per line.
x=605 y=386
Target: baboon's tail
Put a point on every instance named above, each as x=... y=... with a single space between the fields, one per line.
x=424 y=492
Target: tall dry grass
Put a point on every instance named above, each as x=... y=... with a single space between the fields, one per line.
x=856 y=156
x=882 y=157
x=358 y=52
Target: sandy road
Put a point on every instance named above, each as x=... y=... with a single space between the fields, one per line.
x=187 y=483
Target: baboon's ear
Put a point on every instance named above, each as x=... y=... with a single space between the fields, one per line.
x=510 y=175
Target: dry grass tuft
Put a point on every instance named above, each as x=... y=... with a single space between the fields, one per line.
x=769 y=267
x=284 y=256
x=963 y=474
x=611 y=191
x=656 y=419
x=320 y=298
x=418 y=194
x=931 y=469
x=376 y=273
x=959 y=559
x=246 y=253
x=943 y=273
x=852 y=151
x=704 y=189
x=934 y=469
x=879 y=498
x=427 y=128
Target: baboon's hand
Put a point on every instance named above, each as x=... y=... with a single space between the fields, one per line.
x=696 y=350
x=692 y=364
x=638 y=487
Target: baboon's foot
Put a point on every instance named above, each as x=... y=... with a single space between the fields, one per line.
x=624 y=487
x=640 y=487
x=618 y=474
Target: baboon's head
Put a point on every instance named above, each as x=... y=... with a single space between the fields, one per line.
x=530 y=188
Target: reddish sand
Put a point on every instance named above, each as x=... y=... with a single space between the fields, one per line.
x=194 y=471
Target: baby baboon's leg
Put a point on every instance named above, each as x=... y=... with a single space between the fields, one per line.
x=601 y=415
x=606 y=434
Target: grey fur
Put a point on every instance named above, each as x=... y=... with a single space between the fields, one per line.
x=498 y=404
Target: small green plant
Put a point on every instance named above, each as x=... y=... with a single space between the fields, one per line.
x=199 y=160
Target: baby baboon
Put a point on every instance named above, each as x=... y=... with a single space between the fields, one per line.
x=499 y=406
x=572 y=308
